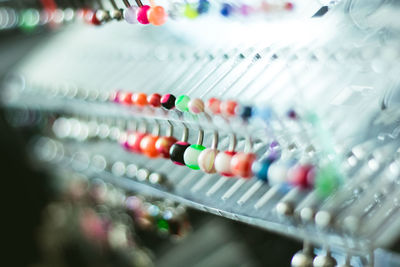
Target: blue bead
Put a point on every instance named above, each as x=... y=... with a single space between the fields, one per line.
x=264 y=113
x=203 y=7
x=226 y=10
x=260 y=169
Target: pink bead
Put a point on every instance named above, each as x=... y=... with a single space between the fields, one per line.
x=302 y=176
x=142 y=14
x=223 y=163
x=206 y=160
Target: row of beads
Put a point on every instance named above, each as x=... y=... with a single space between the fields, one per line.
x=29 y=19
x=182 y=103
x=157 y=15
x=325 y=179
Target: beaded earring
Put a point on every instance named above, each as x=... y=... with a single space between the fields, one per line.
x=130 y=13
x=191 y=155
x=148 y=143
x=242 y=161
x=156 y=14
x=178 y=149
x=223 y=159
x=164 y=143
x=207 y=156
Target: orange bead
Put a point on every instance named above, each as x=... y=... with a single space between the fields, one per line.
x=214 y=105
x=157 y=15
x=140 y=99
x=228 y=108
x=148 y=146
x=241 y=164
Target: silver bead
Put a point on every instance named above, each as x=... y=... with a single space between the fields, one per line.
x=302 y=259
x=324 y=261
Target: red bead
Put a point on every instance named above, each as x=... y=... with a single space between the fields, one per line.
x=154 y=100
x=302 y=176
x=140 y=99
x=214 y=105
x=125 y=98
x=133 y=141
x=241 y=164
x=148 y=146
x=94 y=20
x=228 y=108
x=163 y=145
x=289 y=6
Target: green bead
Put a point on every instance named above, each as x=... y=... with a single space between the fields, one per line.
x=181 y=103
x=29 y=19
x=327 y=181
x=162 y=225
x=191 y=156
x=190 y=12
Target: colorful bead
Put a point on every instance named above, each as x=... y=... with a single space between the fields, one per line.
x=264 y=113
x=142 y=14
x=214 y=105
x=278 y=173
x=207 y=160
x=196 y=106
x=154 y=100
x=130 y=14
x=176 y=152
x=327 y=180
x=148 y=146
x=292 y=114
x=289 y=6
x=181 y=103
x=228 y=108
x=140 y=99
x=223 y=163
x=94 y=20
x=260 y=169
x=302 y=176
x=163 y=145
x=203 y=7
x=125 y=98
x=157 y=15
x=226 y=10
x=168 y=101
x=241 y=164
x=134 y=141
x=191 y=156
x=190 y=12
x=245 y=112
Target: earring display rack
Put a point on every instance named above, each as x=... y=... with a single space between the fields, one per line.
x=306 y=117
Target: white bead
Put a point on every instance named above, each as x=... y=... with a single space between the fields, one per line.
x=277 y=173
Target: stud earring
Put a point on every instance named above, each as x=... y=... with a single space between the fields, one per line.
x=191 y=155
x=163 y=144
x=178 y=149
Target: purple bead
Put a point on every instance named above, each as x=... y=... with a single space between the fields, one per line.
x=130 y=15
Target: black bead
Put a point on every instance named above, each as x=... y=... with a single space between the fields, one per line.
x=176 y=152
x=168 y=101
